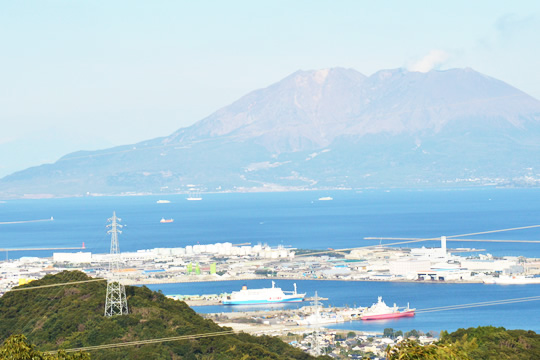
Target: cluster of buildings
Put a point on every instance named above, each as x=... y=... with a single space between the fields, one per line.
x=191 y=252
x=350 y=346
x=23 y=270
x=317 y=340
x=145 y=266
x=440 y=264
x=228 y=262
x=412 y=264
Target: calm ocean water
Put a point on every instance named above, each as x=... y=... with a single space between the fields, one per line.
x=295 y=219
x=300 y=220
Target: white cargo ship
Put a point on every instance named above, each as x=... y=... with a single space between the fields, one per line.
x=262 y=296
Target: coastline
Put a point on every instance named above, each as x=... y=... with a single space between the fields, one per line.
x=189 y=279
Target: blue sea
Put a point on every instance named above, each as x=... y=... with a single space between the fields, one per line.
x=524 y=315
x=299 y=220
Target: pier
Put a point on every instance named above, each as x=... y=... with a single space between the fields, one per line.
x=25 y=221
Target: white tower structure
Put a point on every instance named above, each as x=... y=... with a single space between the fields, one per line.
x=116 y=301
x=443 y=245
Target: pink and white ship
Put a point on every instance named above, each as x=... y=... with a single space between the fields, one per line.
x=381 y=311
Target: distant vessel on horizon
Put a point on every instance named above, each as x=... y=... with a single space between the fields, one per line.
x=194 y=195
x=163 y=220
x=326 y=198
x=163 y=202
x=381 y=311
x=262 y=296
x=513 y=280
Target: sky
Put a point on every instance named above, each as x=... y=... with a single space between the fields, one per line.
x=87 y=75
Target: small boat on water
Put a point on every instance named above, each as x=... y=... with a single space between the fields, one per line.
x=262 y=296
x=163 y=220
x=163 y=202
x=381 y=311
x=326 y=198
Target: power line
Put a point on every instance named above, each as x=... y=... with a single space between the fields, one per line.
x=432 y=239
x=415 y=240
x=458 y=240
x=479 y=304
x=43 y=299
x=495 y=231
x=25 y=221
x=186 y=337
x=52 y=285
x=47 y=249
x=231 y=332
x=145 y=342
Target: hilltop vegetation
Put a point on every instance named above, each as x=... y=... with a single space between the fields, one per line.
x=71 y=316
x=497 y=343
x=17 y=347
x=481 y=343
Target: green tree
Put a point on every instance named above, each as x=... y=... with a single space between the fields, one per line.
x=496 y=343
x=17 y=347
x=412 y=333
x=413 y=350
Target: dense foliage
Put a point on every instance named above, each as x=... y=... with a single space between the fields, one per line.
x=412 y=350
x=17 y=347
x=497 y=343
x=71 y=316
x=481 y=343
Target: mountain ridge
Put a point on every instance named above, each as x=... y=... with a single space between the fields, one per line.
x=363 y=106
x=392 y=128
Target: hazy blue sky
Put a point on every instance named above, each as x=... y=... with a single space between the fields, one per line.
x=92 y=74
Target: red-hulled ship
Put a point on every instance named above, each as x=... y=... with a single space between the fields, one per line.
x=381 y=311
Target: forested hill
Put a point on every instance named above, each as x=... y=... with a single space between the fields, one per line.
x=481 y=343
x=71 y=316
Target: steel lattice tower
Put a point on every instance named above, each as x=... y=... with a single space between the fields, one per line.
x=316 y=347
x=116 y=301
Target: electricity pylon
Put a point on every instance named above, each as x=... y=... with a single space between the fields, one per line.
x=116 y=301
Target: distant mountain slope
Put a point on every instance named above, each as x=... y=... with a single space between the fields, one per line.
x=325 y=104
x=304 y=110
x=333 y=128
x=71 y=316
